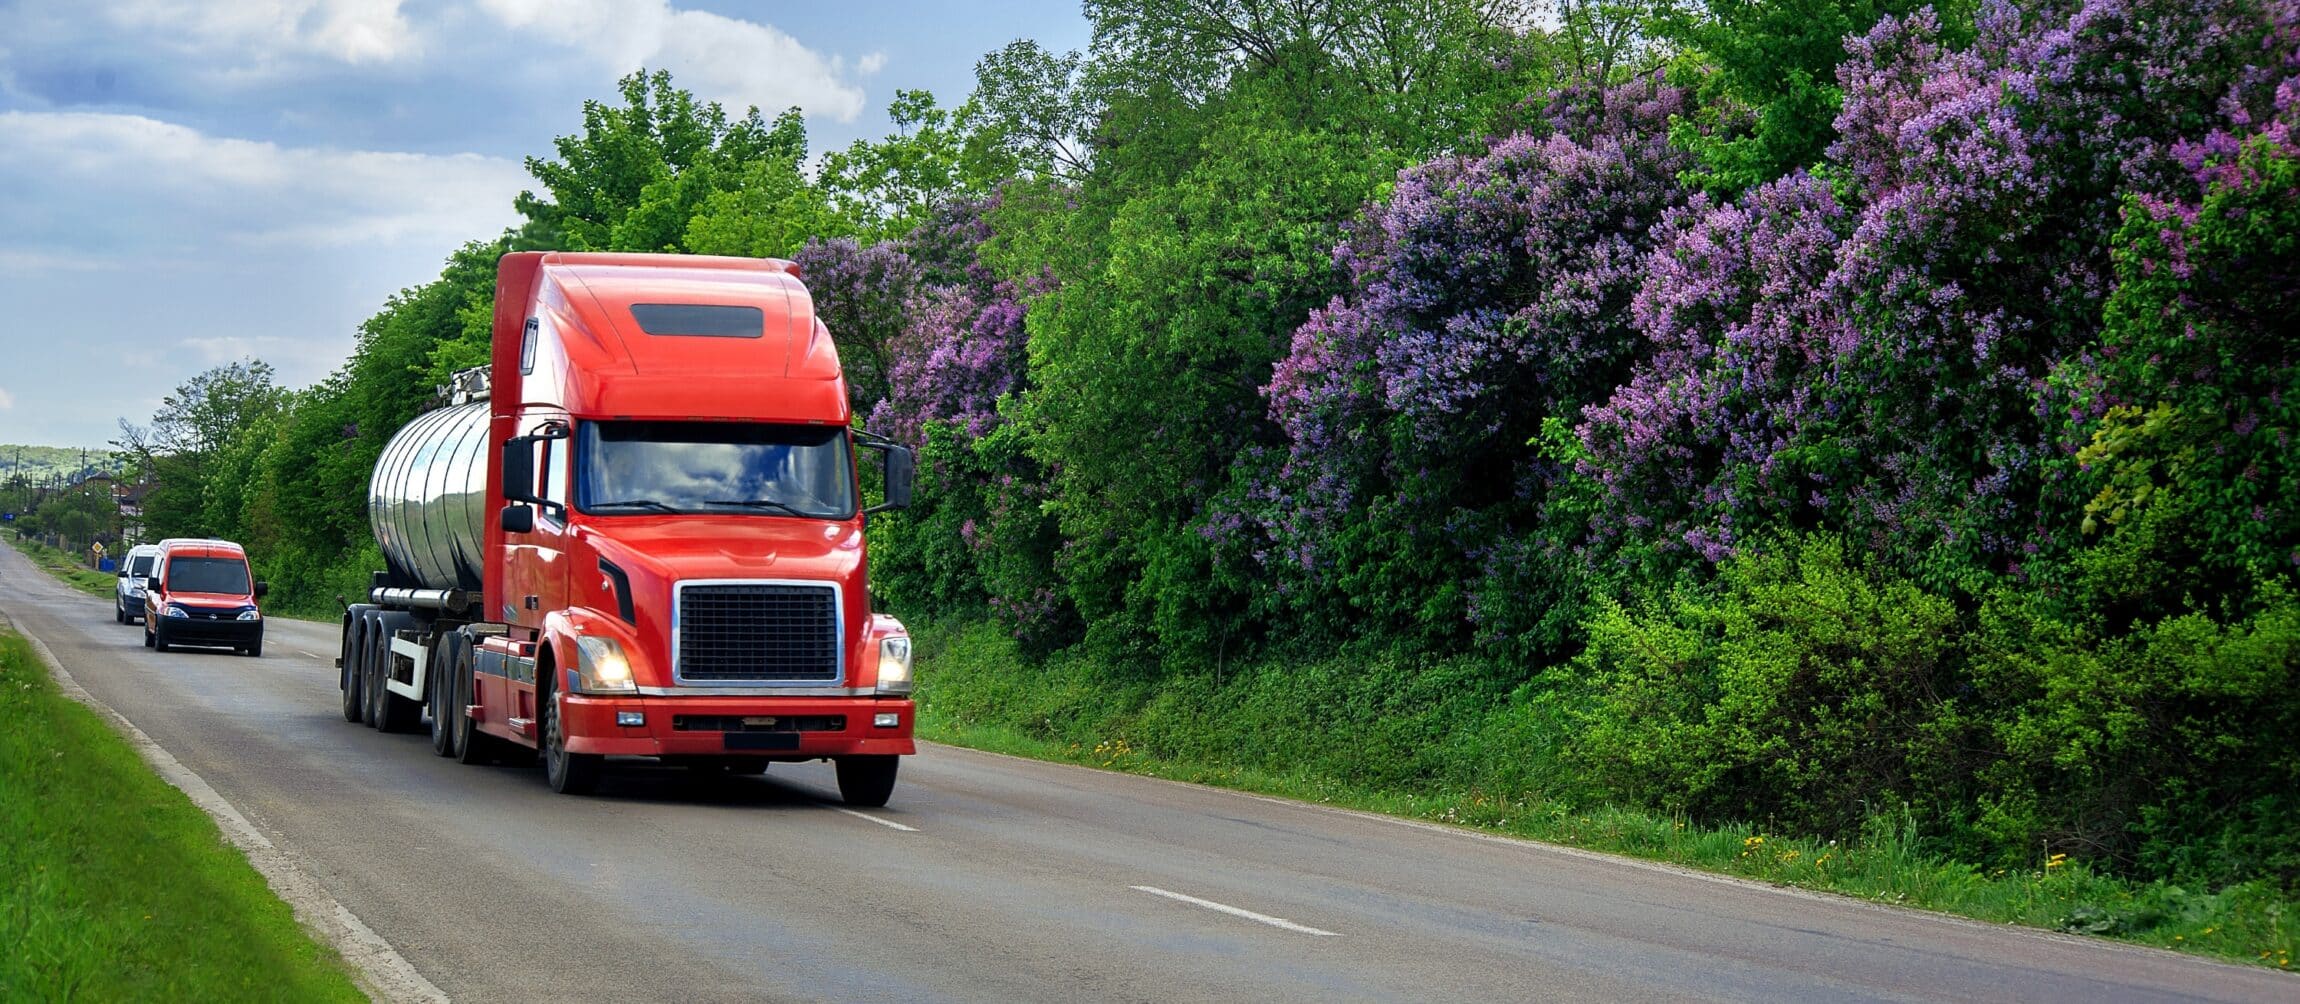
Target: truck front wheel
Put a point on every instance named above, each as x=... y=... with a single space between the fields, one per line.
x=567 y=773
x=866 y=781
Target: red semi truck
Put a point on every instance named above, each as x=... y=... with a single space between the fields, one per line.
x=637 y=532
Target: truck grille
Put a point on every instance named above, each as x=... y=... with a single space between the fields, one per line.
x=758 y=632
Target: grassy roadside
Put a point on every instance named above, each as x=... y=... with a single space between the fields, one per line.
x=67 y=568
x=118 y=888
x=975 y=691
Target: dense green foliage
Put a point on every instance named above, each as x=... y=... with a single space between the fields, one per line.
x=1780 y=412
x=116 y=887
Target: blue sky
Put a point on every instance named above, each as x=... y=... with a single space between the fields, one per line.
x=185 y=183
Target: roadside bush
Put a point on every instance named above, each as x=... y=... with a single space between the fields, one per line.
x=2161 y=748
x=1801 y=689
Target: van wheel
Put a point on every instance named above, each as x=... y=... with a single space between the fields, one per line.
x=567 y=773
x=148 y=640
x=255 y=649
x=160 y=637
x=866 y=781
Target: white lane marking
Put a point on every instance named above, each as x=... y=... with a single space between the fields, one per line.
x=1264 y=918
x=311 y=653
x=890 y=824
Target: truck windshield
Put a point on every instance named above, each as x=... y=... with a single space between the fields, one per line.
x=207 y=575
x=657 y=467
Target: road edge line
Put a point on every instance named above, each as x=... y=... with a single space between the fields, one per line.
x=379 y=969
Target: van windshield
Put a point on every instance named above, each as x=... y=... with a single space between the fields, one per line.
x=140 y=565
x=720 y=467
x=207 y=575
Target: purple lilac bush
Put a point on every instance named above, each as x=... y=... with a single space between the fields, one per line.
x=1490 y=291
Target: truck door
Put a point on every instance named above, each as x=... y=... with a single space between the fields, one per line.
x=535 y=569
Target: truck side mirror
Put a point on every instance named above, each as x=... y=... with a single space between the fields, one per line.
x=519 y=470
x=901 y=470
x=518 y=519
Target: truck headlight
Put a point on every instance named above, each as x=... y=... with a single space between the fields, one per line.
x=600 y=667
x=894 y=665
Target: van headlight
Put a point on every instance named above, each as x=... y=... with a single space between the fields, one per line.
x=172 y=610
x=600 y=667
x=894 y=665
x=251 y=614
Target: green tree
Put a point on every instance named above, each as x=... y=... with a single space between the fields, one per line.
x=638 y=173
x=1775 y=68
x=888 y=187
x=195 y=425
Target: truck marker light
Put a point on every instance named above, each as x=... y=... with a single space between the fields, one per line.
x=631 y=719
x=886 y=720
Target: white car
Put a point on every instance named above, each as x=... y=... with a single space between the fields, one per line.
x=128 y=593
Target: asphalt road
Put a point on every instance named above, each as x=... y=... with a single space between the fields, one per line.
x=991 y=878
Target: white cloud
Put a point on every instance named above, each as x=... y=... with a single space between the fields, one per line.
x=349 y=31
x=736 y=63
x=177 y=181
x=7 y=400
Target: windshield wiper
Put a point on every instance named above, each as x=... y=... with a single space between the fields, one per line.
x=761 y=504
x=644 y=505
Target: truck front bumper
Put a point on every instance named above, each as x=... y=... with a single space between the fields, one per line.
x=777 y=728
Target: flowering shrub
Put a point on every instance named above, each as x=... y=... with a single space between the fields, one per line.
x=1704 y=440
x=1488 y=292
x=860 y=292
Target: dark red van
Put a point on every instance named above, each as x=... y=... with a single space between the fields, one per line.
x=201 y=593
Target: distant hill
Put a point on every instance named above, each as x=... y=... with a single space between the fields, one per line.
x=63 y=465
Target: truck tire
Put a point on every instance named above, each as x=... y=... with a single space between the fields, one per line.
x=866 y=781
x=369 y=628
x=566 y=773
x=472 y=746
x=348 y=678
x=439 y=696
x=393 y=713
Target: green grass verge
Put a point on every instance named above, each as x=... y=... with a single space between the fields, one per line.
x=70 y=569
x=118 y=888
x=1340 y=731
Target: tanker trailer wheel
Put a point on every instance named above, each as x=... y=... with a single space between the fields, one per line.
x=370 y=632
x=393 y=713
x=353 y=689
x=566 y=773
x=439 y=694
x=866 y=781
